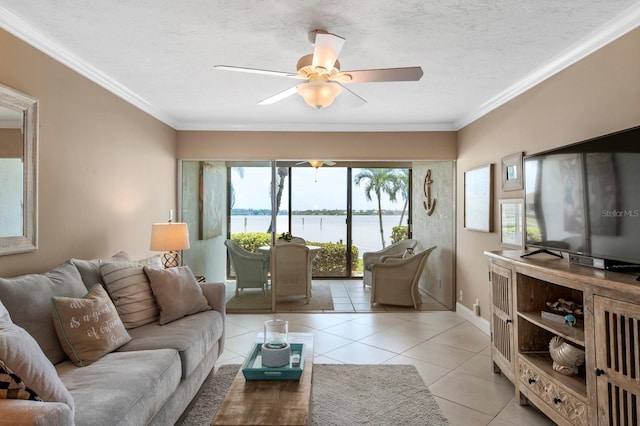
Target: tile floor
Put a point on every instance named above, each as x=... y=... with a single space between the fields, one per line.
x=451 y=354
x=352 y=296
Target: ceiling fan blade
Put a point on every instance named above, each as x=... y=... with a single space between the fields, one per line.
x=326 y=50
x=351 y=98
x=384 y=74
x=255 y=71
x=279 y=96
x=329 y=163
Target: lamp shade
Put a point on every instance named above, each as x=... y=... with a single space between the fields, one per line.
x=169 y=236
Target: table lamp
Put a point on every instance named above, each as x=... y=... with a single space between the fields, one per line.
x=170 y=237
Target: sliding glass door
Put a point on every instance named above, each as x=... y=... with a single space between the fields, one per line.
x=380 y=208
x=319 y=215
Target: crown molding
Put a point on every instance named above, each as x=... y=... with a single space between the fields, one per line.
x=613 y=30
x=616 y=28
x=316 y=127
x=17 y=26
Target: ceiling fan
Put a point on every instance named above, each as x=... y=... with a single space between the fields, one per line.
x=323 y=80
x=317 y=163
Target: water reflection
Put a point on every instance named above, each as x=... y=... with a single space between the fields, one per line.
x=11 y=173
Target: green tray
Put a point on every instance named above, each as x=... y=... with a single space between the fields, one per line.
x=253 y=369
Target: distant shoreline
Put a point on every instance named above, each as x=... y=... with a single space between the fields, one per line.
x=323 y=227
x=266 y=212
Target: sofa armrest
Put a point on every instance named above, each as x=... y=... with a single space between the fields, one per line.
x=216 y=297
x=19 y=412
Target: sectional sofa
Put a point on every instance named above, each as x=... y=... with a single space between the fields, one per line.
x=106 y=342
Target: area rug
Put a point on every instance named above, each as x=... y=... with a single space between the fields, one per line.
x=344 y=395
x=253 y=300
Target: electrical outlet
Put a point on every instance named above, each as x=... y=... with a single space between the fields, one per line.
x=460 y=296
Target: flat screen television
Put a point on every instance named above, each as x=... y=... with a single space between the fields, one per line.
x=584 y=199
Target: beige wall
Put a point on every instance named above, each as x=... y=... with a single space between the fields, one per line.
x=106 y=169
x=437 y=229
x=10 y=143
x=316 y=145
x=598 y=95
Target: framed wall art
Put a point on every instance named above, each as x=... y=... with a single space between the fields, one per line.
x=512 y=223
x=478 y=199
x=512 y=172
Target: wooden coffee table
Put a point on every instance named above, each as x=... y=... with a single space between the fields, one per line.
x=270 y=402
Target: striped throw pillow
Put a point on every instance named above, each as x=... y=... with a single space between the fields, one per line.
x=129 y=288
x=12 y=386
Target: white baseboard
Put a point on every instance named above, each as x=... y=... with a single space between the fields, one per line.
x=479 y=322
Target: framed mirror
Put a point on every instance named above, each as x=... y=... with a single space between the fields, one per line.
x=18 y=171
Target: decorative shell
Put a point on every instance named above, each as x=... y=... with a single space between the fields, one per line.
x=566 y=358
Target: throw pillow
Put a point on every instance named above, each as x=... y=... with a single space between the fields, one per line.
x=88 y=327
x=154 y=261
x=22 y=355
x=28 y=300
x=12 y=386
x=129 y=288
x=177 y=292
x=90 y=269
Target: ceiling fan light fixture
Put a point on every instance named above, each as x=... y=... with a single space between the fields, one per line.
x=316 y=163
x=319 y=94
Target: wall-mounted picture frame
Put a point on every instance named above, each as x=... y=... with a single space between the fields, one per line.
x=512 y=172
x=512 y=223
x=478 y=199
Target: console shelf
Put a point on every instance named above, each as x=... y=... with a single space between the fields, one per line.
x=574 y=334
x=606 y=390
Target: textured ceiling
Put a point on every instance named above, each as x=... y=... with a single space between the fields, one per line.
x=159 y=54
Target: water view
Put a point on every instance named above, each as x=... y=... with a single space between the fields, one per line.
x=366 y=230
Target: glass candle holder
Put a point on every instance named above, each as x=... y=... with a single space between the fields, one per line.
x=276 y=333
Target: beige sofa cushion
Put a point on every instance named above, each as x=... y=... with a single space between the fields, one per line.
x=28 y=300
x=88 y=327
x=4 y=314
x=21 y=353
x=191 y=336
x=177 y=292
x=123 y=388
x=130 y=291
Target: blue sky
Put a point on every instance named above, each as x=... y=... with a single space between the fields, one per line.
x=313 y=189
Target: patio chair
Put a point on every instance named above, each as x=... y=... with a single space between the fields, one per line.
x=395 y=281
x=293 y=270
x=369 y=258
x=251 y=268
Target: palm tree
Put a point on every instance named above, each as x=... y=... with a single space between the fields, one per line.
x=282 y=172
x=378 y=181
x=232 y=190
x=402 y=186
